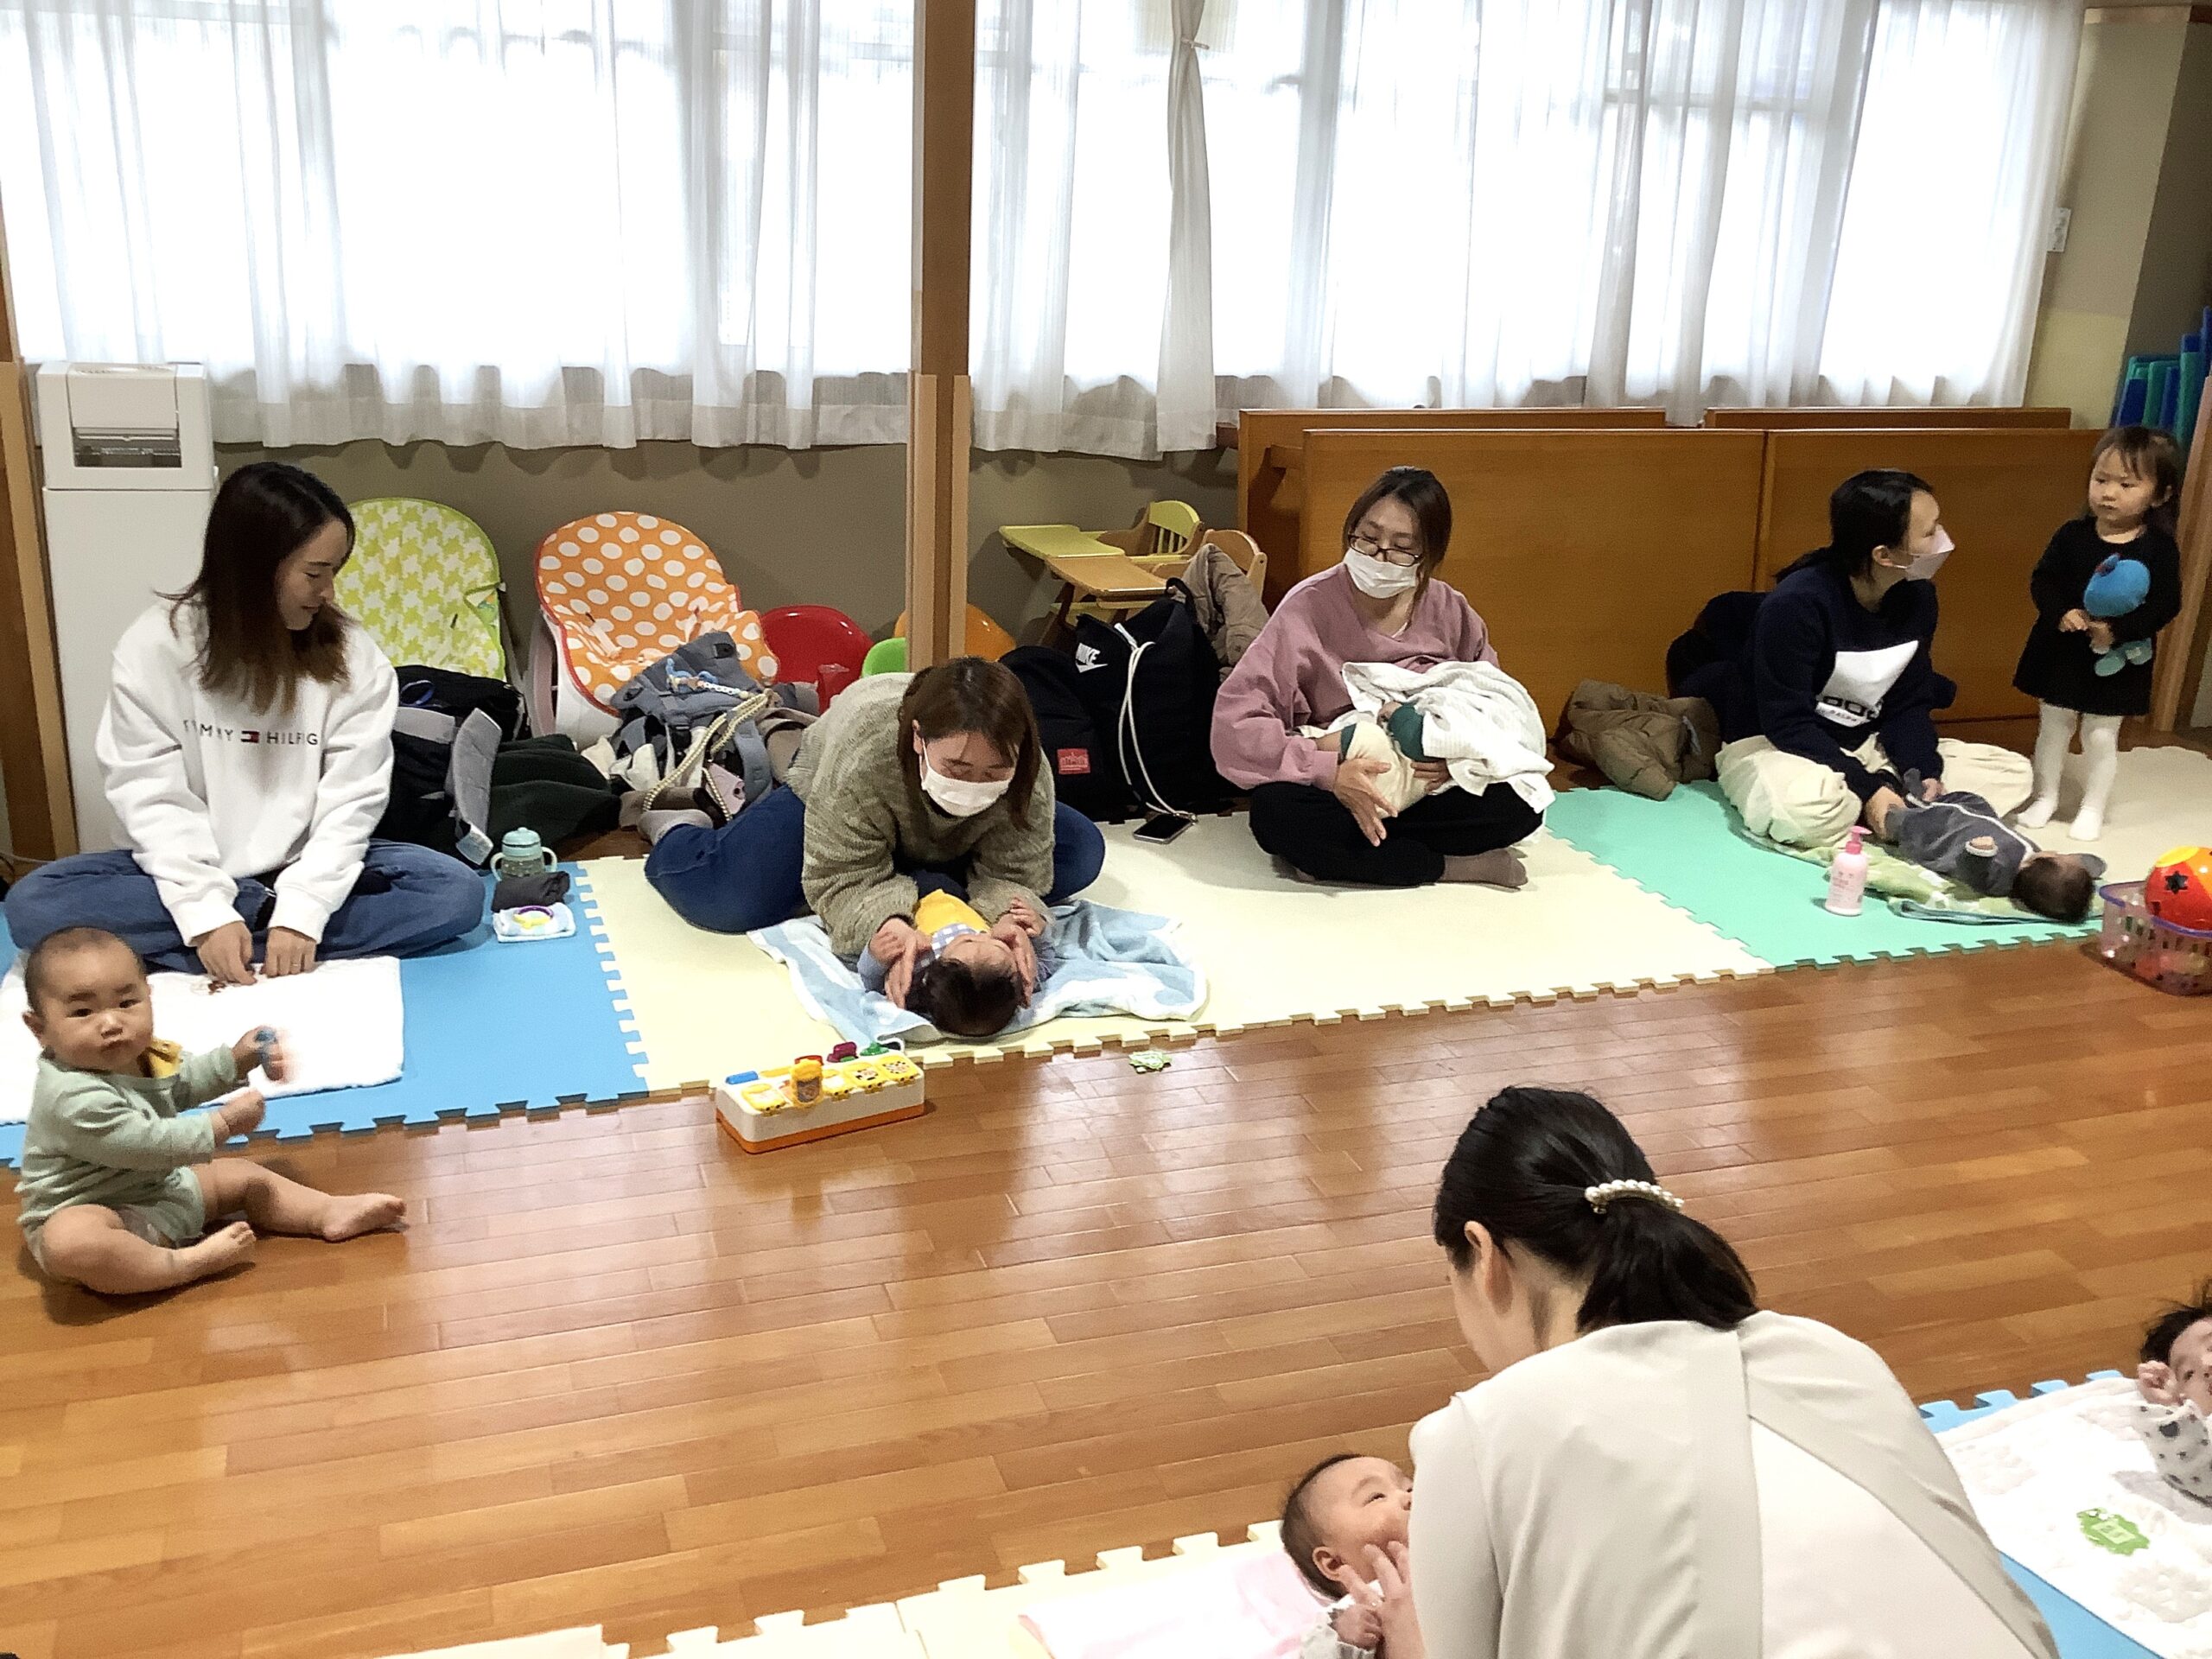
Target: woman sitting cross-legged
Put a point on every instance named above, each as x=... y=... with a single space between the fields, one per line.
x=1326 y=815
x=916 y=794
x=247 y=748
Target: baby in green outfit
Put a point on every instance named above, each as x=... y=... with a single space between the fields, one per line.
x=119 y=1175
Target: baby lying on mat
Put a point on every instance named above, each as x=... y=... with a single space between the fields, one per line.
x=1345 y=1525
x=959 y=972
x=1959 y=836
x=2175 y=1383
x=118 y=1183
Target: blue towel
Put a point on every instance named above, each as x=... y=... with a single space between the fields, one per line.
x=1102 y=961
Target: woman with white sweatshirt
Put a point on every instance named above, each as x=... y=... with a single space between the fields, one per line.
x=247 y=745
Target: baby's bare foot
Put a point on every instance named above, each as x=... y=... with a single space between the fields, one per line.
x=225 y=1248
x=351 y=1215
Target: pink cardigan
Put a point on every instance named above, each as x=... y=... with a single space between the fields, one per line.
x=1294 y=674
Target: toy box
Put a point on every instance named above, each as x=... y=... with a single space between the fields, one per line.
x=2161 y=953
x=763 y=1110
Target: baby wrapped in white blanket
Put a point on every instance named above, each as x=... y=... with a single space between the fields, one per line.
x=1475 y=717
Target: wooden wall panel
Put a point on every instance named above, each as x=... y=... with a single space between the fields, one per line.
x=2002 y=493
x=2180 y=667
x=1586 y=552
x=1269 y=495
x=1779 y=420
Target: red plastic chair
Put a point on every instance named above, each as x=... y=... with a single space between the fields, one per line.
x=816 y=643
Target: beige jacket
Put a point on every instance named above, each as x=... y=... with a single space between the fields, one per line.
x=1669 y=1491
x=863 y=823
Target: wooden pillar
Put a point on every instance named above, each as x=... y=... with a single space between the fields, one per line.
x=2181 y=657
x=937 y=402
x=34 y=755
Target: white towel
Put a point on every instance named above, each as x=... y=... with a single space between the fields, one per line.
x=2065 y=1487
x=1477 y=718
x=345 y=1025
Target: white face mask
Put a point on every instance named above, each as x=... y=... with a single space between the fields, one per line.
x=1924 y=568
x=959 y=796
x=1379 y=578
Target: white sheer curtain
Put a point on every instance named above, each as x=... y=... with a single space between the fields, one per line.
x=536 y=221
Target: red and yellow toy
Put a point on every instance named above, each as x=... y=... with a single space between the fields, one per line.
x=2179 y=888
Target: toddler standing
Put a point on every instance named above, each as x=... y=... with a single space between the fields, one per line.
x=2133 y=479
x=119 y=1176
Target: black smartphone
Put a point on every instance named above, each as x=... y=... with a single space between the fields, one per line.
x=1162 y=828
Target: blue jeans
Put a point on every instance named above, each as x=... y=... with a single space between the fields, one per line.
x=408 y=900
x=745 y=875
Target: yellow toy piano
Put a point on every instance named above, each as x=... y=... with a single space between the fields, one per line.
x=811 y=1099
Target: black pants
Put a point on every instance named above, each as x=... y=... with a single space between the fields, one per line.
x=1317 y=832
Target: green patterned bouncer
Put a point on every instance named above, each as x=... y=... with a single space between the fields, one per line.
x=424 y=581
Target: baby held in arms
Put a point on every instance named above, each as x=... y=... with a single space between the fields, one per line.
x=1344 y=1526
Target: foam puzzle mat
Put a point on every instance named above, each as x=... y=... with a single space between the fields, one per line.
x=491 y=1029
x=1273 y=950
x=1688 y=850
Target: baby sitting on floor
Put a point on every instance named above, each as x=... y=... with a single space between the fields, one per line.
x=2175 y=1381
x=1345 y=1525
x=119 y=1176
x=967 y=981
x=1958 y=835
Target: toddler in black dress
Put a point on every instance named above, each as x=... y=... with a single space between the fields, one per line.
x=2067 y=664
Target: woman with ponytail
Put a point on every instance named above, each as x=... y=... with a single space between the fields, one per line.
x=1656 y=1469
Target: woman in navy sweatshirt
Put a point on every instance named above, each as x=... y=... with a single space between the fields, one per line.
x=1844 y=682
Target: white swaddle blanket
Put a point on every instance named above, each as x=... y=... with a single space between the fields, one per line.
x=1476 y=717
x=2065 y=1487
x=345 y=1027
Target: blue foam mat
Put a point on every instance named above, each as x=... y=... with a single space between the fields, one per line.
x=492 y=1028
x=1687 y=850
x=2080 y=1634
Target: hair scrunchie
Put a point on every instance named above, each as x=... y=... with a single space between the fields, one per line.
x=1605 y=1192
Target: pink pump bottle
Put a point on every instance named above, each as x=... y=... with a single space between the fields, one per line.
x=1847 y=877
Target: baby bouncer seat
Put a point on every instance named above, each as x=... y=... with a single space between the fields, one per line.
x=616 y=592
x=424 y=581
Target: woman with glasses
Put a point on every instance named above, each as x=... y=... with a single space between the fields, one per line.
x=1327 y=817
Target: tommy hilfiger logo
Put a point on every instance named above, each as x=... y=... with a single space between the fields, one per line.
x=254 y=735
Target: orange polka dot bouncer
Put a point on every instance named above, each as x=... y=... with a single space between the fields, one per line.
x=624 y=589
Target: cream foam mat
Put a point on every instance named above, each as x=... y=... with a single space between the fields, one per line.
x=1274 y=950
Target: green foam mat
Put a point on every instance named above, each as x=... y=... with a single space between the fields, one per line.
x=1690 y=851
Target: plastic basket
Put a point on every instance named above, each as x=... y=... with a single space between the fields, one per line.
x=2172 y=957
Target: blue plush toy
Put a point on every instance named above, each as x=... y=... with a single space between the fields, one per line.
x=2118 y=586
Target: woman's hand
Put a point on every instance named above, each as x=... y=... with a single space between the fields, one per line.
x=289 y=953
x=2100 y=636
x=1358 y=787
x=1930 y=788
x=2154 y=1380
x=897 y=947
x=227 y=954
x=1433 y=774
x=1020 y=913
x=2074 y=621
x=1880 y=805
x=1017 y=939
x=1393 y=1601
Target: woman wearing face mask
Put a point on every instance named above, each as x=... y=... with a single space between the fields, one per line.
x=1325 y=817
x=935 y=778
x=1844 y=684
x=1656 y=1469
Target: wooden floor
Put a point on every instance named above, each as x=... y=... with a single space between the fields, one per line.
x=619 y=1372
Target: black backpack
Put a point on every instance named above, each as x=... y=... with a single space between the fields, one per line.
x=448 y=729
x=1084 y=774
x=1149 y=684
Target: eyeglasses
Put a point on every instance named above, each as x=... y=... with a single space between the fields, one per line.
x=1404 y=558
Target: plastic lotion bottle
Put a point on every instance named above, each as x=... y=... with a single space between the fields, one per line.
x=1847 y=877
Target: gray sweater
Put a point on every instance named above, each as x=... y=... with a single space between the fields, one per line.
x=865 y=823
x=106 y=1138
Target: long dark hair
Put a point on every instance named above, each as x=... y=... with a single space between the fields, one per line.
x=2147 y=452
x=971 y=695
x=1520 y=1169
x=264 y=513
x=1868 y=510
x=1424 y=496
